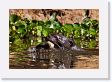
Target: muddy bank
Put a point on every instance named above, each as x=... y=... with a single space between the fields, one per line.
x=64 y=15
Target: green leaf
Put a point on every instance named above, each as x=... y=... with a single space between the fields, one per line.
x=20 y=23
x=18 y=42
x=39 y=39
x=39 y=32
x=94 y=22
x=14 y=28
x=84 y=26
x=33 y=32
x=47 y=24
x=84 y=44
x=92 y=32
x=92 y=44
x=68 y=27
x=76 y=25
x=40 y=23
x=57 y=25
x=13 y=18
x=39 y=28
x=45 y=32
x=77 y=33
x=21 y=29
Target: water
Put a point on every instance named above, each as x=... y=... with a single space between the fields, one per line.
x=49 y=59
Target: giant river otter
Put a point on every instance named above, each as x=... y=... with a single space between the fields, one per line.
x=54 y=41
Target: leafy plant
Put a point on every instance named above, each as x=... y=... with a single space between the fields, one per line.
x=24 y=32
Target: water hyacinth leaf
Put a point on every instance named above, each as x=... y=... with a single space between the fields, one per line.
x=51 y=26
x=57 y=25
x=92 y=44
x=13 y=28
x=84 y=43
x=31 y=26
x=33 y=32
x=34 y=28
x=83 y=32
x=40 y=23
x=47 y=24
x=76 y=26
x=39 y=40
x=92 y=32
x=86 y=20
x=50 y=30
x=78 y=41
x=45 y=32
x=68 y=27
x=94 y=23
x=27 y=21
x=21 y=30
x=13 y=18
x=18 y=42
x=11 y=39
x=83 y=26
x=39 y=28
x=19 y=23
x=77 y=33
x=38 y=32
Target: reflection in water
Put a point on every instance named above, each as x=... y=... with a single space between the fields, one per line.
x=52 y=59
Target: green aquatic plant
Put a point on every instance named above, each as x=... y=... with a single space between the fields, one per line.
x=25 y=32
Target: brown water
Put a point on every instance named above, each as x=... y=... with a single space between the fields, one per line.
x=88 y=59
